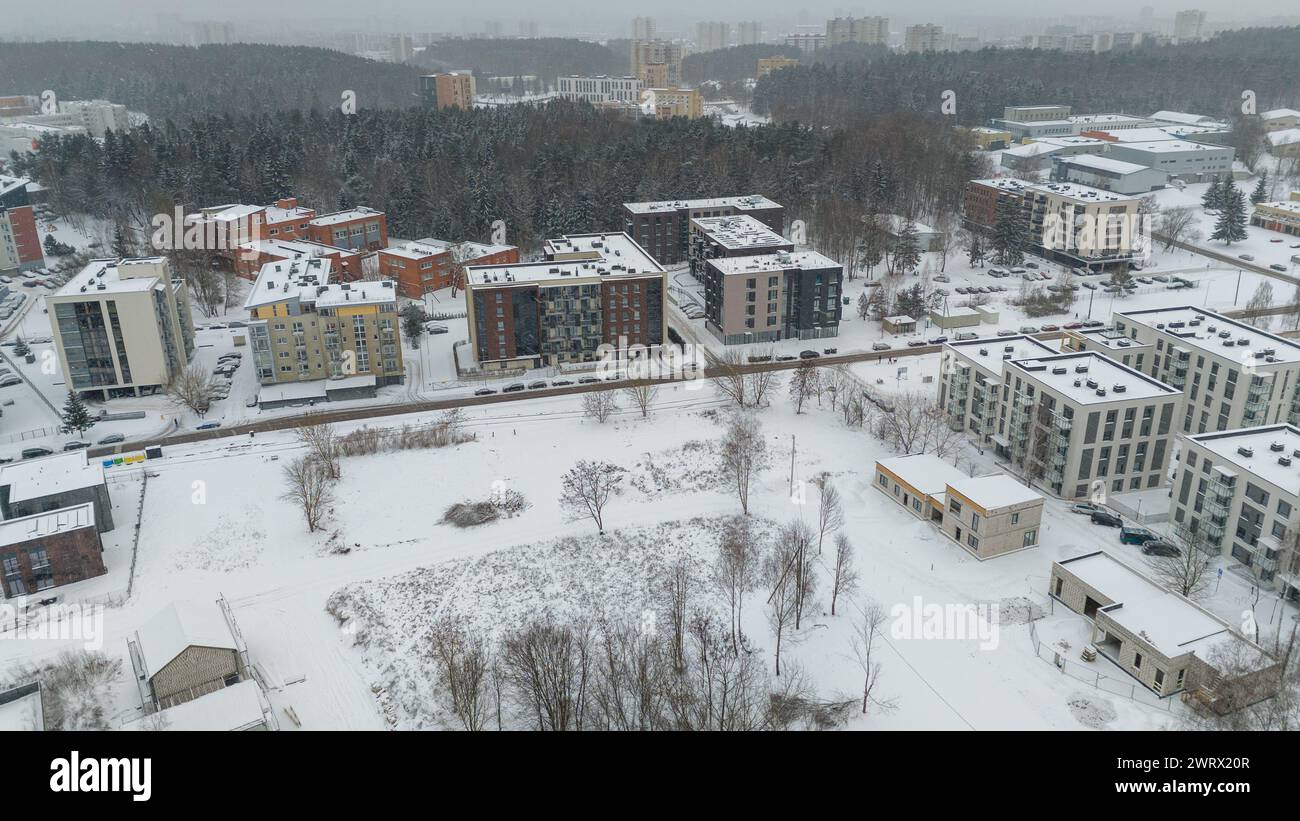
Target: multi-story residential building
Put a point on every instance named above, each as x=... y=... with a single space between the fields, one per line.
x=1194 y=162
x=358 y=229
x=675 y=102
x=806 y=42
x=990 y=139
x=769 y=297
x=49 y=549
x=1115 y=344
x=922 y=38
x=643 y=28
x=663 y=228
x=1283 y=215
x=749 y=33
x=93 y=117
x=1108 y=174
x=870 y=30
x=227 y=229
x=647 y=53
x=712 y=35
x=430 y=264
x=766 y=65
x=1188 y=25
x=249 y=258
x=449 y=90
x=1280 y=119
x=1234 y=375
x=122 y=327
x=1077 y=422
x=59 y=482
x=1036 y=113
x=734 y=236
x=20 y=241
x=18 y=105
x=304 y=328
x=1237 y=493
x=592 y=290
x=599 y=89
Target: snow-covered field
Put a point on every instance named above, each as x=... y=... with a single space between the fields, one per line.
x=214 y=523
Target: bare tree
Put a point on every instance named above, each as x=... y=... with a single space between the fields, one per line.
x=744 y=452
x=599 y=405
x=587 y=487
x=805 y=384
x=1187 y=573
x=464 y=663
x=782 y=602
x=548 y=668
x=307 y=484
x=863 y=643
x=844 y=578
x=735 y=570
x=632 y=681
x=912 y=423
x=1178 y=225
x=323 y=446
x=642 y=396
x=830 y=512
x=678 y=588
x=728 y=375
x=760 y=384
x=193 y=388
x=1261 y=300
x=797 y=537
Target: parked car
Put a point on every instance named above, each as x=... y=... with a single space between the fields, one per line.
x=112 y=439
x=1158 y=547
x=484 y=392
x=75 y=445
x=559 y=383
x=587 y=380
x=961 y=289
x=32 y=453
x=1160 y=278
x=251 y=402
x=880 y=346
x=829 y=351
x=209 y=426
x=1246 y=257
x=1028 y=329
x=1091 y=286
x=1072 y=326
x=10 y=381
x=1006 y=332
x=810 y=354
x=1277 y=267
x=942 y=278
x=438 y=329
x=1050 y=327
x=786 y=358
x=938 y=340
x=1132 y=534
x=1017 y=270
x=916 y=343
x=1085 y=507
x=1093 y=323
x=1031 y=264
x=514 y=387
x=1101 y=517
x=962 y=336
x=540 y=383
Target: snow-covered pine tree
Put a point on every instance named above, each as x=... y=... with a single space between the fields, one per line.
x=76 y=417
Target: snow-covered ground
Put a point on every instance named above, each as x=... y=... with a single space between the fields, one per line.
x=214 y=523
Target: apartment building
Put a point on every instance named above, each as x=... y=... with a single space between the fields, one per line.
x=648 y=53
x=1233 y=374
x=448 y=90
x=122 y=327
x=676 y=102
x=766 y=65
x=357 y=229
x=20 y=241
x=430 y=265
x=249 y=259
x=806 y=42
x=1237 y=493
x=712 y=35
x=643 y=28
x=1280 y=119
x=749 y=33
x=922 y=38
x=799 y=293
x=869 y=30
x=1188 y=25
x=343 y=337
x=663 y=228
x=1193 y=162
x=599 y=89
x=972 y=380
x=1283 y=216
x=1110 y=342
x=733 y=236
x=64 y=480
x=49 y=549
x=592 y=290
x=1108 y=174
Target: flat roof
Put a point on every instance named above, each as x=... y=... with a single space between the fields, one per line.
x=416 y=250
x=745 y=203
x=49 y=523
x=237 y=707
x=1080 y=193
x=995 y=491
x=615 y=247
x=990 y=352
x=286 y=279
x=1286 y=136
x=780 y=261
x=737 y=232
x=1204 y=330
x=1103 y=164
x=925 y=472
x=8 y=183
x=108 y=272
x=1266 y=445
x=1278 y=113
x=1090 y=378
x=1173 y=146
x=365 y=292
x=1181 y=117
x=1282 y=205
x=345 y=216
x=37 y=478
x=1111 y=339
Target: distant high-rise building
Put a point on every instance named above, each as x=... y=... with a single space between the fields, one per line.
x=869 y=30
x=208 y=32
x=454 y=90
x=643 y=28
x=712 y=35
x=1188 y=24
x=922 y=38
x=528 y=29
x=749 y=32
x=492 y=28
x=652 y=52
x=806 y=43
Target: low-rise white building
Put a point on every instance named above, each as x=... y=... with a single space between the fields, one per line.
x=1180 y=158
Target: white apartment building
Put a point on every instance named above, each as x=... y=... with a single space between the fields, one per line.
x=923 y=37
x=869 y=30
x=1237 y=492
x=1076 y=422
x=1188 y=25
x=712 y=35
x=599 y=89
x=1233 y=375
x=122 y=327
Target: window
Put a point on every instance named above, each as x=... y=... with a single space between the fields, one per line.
x=1137 y=661
x=1060 y=583
x=1015 y=518
x=884 y=480
x=972 y=541
x=954 y=506
x=1160 y=680
x=1031 y=539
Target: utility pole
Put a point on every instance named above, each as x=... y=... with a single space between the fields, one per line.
x=792 y=449
x=1237 y=292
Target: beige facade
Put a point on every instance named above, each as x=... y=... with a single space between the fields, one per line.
x=676 y=102
x=122 y=327
x=766 y=65
x=992 y=515
x=197 y=671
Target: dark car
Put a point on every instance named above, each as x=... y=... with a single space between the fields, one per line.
x=112 y=439
x=829 y=351
x=808 y=354
x=484 y=392
x=208 y=426
x=587 y=380
x=514 y=387
x=917 y=343
x=1130 y=534
x=541 y=383
x=1071 y=326
x=1093 y=323
x=559 y=383
x=938 y=340
x=1101 y=517
x=786 y=358
x=1157 y=547
x=32 y=453
x=76 y=445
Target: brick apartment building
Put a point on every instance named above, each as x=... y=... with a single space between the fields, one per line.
x=357 y=229
x=451 y=90
x=430 y=265
x=592 y=290
x=20 y=241
x=49 y=549
x=663 y=228
x=253 y=256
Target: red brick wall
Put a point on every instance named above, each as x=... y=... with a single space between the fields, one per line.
x=324 y=234
x=26 y=236
x=613 y=326
x=74 y=555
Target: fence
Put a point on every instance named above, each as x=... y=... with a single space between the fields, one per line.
x=1130 y=689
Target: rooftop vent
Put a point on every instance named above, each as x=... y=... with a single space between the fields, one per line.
x=1078 y=383
x=1276 y=447
x=1120 y=388
x=1080 y=368
x=1245 y=451
x=1284 y=461
x=1059 y=370
x=1101 y=391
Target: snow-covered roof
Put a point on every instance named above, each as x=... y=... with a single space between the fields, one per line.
x=65 y=520
x=1285 y=136
x=1080 y=193
x=991 y=352
x=611 y=254
x=48 y=475
x=343 y=294
x=1181 y=117
x=1091 y=378
x=21 y=709
x=901 y=319
x=1103 y=164
x=740 y=231
x=615 y=247
x=115 y=276
x=1198 y=328
x=996 y=491
x=924 y=472
x=780 y=261
x=467 y=250
x=8 y=183
x=180 y=625
x=1174 y=147
x=1265 y=445
x=340 y=217
x=416 y=250
x=287 y=279
x=238 y=707
x=1279 y=113
x=746 y=203
x=292 y=391
x=1110 y=338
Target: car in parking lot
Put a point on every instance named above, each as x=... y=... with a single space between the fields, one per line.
x=10 y=381
x=560 y=383
x=439 y=329
x=809 y=354
x=75 y=445
x=32 y=453
x=880 y=346
x=962 y=289
x=1028 y=329
x=938 y=340
x=1050 y=327
x=1102 y=517
x=587 y=380
x=514 y=387
x=1031 y=265
x=942 y=278
x=540 y=383
x=1132 y=534
x=484 y=392
x=1160 y=278
x=1006 y=332
x=1072 y=326
x=916 y=343
x=1277 y=267
x=1084 y=507
x=1093 y=323
x=1091 y=286
x=112 y=439
x=1017 y=270
x=250 y=402
x=1159 y=547
x=829 y=351
x=208 y=426
x=1146 y=280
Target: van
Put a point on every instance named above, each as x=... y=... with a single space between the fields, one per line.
x=964 y=335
